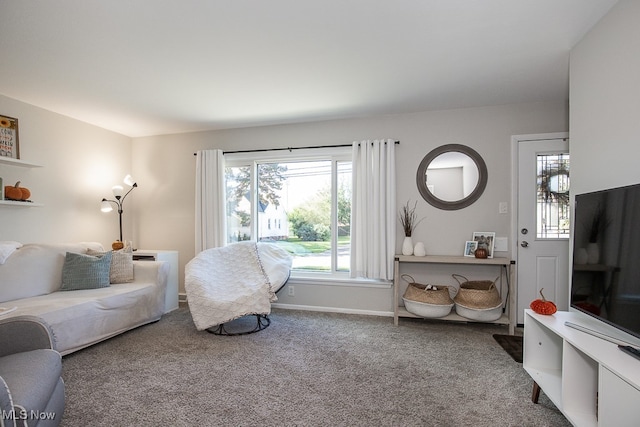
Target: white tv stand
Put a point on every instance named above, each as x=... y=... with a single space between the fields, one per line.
x=588 y=378
x=596 y=333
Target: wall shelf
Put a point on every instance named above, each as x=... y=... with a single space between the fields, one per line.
x=17 y=162
x=23 y=164
x=20 y=204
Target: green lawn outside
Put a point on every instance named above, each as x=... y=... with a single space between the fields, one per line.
x=297 y=246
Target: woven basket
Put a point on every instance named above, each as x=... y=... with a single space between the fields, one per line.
x=477 y=294
x=430 y=303
x=419 y=292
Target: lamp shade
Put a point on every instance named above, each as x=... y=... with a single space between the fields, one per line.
x=105 y=206
x=118 y=191
x=129 y=180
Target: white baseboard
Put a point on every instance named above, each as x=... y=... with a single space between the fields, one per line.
x=333 y=309
x=183 y=299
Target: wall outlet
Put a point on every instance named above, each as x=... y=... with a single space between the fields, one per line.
x=291 y=291
x=503 y=208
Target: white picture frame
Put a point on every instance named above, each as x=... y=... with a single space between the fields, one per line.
x=470 y=247
x=485 y=239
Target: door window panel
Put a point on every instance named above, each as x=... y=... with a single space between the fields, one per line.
x=553 y=211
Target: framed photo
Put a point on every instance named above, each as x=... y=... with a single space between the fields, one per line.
x=470 y=247
x=9 y=146
x=485 y=239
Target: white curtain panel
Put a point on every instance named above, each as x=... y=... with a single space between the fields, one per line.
x=210 y=200
x=373 y=210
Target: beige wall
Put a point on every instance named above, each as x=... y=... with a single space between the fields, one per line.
x=80 y=164
x=605 y=102
x=165 y=166
x=605 y=109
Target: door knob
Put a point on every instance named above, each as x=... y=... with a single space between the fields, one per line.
x=524 y=244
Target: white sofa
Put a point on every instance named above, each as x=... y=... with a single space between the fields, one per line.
x=31 y=279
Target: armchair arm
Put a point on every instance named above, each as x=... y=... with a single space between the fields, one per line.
x=6 y=405
x=24 y=333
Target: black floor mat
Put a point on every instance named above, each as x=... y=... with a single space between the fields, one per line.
x=512 y=344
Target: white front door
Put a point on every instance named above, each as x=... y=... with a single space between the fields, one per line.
x=542 y=220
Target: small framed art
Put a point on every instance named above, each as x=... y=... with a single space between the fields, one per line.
x=470 y=248
x=9 y=144
x=486 y=240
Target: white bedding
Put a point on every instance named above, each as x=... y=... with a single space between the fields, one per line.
x=240 y=279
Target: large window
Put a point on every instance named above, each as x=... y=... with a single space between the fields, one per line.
x=300 y=203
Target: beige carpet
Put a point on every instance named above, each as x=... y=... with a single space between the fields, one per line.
x=306 y=369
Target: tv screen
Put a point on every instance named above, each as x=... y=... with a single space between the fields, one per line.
x=605 y=281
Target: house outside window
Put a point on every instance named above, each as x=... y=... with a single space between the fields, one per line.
x=301 y=202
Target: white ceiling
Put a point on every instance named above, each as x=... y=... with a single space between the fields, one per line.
x=150 y=67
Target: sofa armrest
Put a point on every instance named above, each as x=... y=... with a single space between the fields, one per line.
x=24 y=333
x=151 y=271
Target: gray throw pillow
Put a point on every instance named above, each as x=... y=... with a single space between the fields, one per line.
x=121 y=270
x=85 y=271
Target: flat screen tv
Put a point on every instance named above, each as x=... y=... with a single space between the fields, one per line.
x=605 y=282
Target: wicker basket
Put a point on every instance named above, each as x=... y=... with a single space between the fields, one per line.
x=478 y=299
x=425 y=302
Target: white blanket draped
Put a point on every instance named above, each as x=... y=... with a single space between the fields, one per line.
x=226 y=283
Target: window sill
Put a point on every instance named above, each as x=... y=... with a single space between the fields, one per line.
x=328 y=280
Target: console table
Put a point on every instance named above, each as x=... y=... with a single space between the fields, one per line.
x=588 y=378
x=506 y=273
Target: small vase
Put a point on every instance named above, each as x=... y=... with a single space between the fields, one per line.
x=407 y=246
x=419 y=249
x=581 y=256
x=593 y=253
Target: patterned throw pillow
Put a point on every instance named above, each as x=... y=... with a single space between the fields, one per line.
x=85 y=272
x=121 y=264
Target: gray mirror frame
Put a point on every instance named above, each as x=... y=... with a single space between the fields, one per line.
x=458 y=204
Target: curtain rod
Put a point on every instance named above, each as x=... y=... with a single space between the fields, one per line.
x=288 y=148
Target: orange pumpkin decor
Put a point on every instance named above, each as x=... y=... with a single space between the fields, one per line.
x=15 y=192
x=481 y=253
x=542 y=306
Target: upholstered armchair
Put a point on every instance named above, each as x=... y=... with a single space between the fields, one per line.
x=31 y=386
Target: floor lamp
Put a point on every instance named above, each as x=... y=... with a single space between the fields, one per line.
x=119 y=195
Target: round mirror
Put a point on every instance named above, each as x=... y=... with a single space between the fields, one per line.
x=452 y=177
